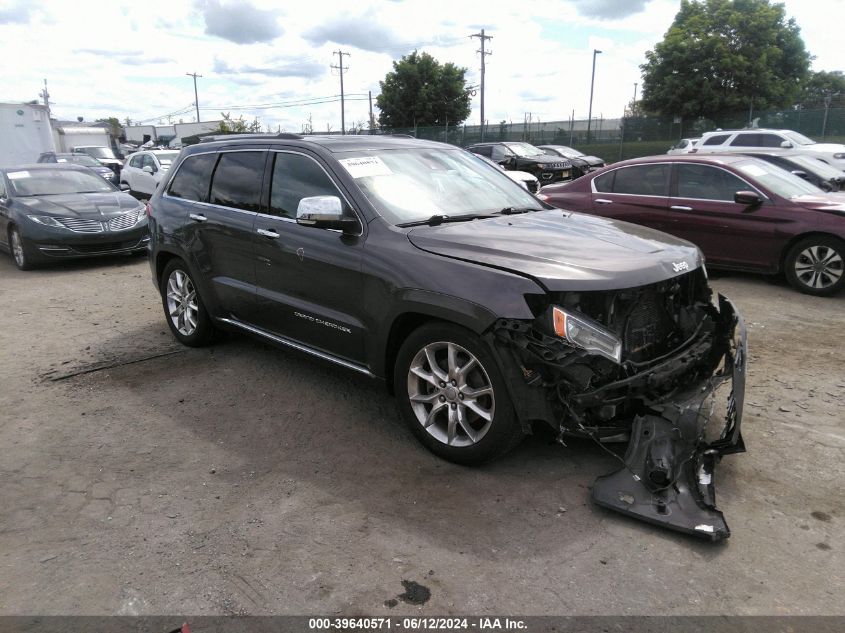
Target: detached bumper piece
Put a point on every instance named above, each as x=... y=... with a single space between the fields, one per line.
x=667 y=479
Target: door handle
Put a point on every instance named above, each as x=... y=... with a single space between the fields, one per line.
x=198 y=217
x=603 y=201
x=680 y=208
x=271 y=234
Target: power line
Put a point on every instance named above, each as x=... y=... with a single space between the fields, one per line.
x=484 y=54
x=340 y=68
x=196 y=98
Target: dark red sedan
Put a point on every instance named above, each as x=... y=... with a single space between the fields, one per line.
x=744 y=213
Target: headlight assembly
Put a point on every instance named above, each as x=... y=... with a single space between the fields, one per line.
x=46 y=220
x=587 y=335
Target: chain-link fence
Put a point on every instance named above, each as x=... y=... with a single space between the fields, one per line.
x=633 y=136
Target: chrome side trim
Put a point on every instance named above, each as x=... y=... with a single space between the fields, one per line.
x=297 y=346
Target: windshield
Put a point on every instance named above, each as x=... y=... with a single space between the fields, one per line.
x=166 y=158
x=50 y=182
x=815 y=166
x=524 y=149
x=82 y=159
x=97 y=152
x=568 y=152
x=777 y=180
x=409 y=185
x=798 y=139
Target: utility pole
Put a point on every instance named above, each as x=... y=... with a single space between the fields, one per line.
x=46 y=96
x=481 y=36
x=340 y=68
x=634 y=102
x=196 y=98
x=827 y=99
x=592 y=83
x=372 y=120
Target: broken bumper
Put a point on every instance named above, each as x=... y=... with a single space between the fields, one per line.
x=667 y=477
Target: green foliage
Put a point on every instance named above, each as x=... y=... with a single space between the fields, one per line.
x=724 y=56
x=114 y=126
x=823 y=84
x=422 y=91
x=228 y=125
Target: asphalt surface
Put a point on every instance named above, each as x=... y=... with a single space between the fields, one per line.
x=140 y=477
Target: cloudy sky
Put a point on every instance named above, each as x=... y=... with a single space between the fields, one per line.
x=271 y=59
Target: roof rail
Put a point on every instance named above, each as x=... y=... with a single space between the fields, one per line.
x=225 y=137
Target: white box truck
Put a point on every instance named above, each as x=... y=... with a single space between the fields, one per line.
x=24 y=133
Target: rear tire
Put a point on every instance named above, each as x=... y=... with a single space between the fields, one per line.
x=816 y=265
x=183 y=307
x=453 y=397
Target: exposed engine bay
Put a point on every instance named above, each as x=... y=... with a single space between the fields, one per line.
x=649 y=366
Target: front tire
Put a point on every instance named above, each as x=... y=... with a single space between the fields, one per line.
x=183 y=307
x=20 y=250
x=453 y=397
x=816 y=265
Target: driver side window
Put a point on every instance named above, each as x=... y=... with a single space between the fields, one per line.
x=500 y=152
x=295 y=177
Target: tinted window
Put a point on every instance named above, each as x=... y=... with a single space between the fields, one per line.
x=485 y=150
x=500 y=152
x=148 y=162
x=296 y=177
x=757 y=139
x=237 y=180
x=718 y=139
x=2 y=187
x=604 y=183
x=642 y=180
x=708 y=183
x=135 y=161
x=192 y=179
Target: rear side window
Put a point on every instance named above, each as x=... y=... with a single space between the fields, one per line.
x=643 y=180
x=237 y=180
x=484 y=150
x=757 y=139
x=604 y=183
x=193 y=178
x=136 y=161
x=717 y=139
x=296 y=177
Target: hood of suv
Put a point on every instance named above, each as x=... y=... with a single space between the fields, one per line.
x=562 y=250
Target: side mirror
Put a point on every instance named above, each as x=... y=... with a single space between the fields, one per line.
x=748 y=198
x=324 y=212
x=786 y=144
x=124 y=186
x=147 y=169
x=800 y=174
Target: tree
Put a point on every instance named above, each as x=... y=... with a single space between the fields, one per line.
x=820 y=85
x=725 y=56
x=237 y=126
x=114 y=126
x=421 y=91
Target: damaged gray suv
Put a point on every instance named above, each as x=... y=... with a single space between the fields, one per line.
x=483 y=309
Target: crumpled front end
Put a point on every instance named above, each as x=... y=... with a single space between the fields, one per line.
x=661 y=367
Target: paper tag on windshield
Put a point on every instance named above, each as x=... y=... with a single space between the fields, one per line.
x=364 y=166
x=15 y=175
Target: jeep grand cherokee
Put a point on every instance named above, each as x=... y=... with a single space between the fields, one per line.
x=485 y=310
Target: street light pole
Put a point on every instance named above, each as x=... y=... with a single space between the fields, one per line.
x=592 y=84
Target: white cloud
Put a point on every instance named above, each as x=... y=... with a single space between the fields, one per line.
x=129 y=59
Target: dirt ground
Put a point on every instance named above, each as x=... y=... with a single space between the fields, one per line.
x=245 y=479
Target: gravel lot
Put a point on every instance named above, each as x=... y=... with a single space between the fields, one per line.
x=244 y=479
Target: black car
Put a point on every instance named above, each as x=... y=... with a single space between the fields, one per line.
x=525 y=157
x=581 y=163
x=806 y=166
x=485 y=310
x=51 y=211
x=80 y=159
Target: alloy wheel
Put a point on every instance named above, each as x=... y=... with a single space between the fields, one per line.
x=819 y=266
x=451 y=394
x=182 y=302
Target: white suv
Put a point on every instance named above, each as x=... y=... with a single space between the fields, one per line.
x=144 y=170
x=772 y=140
